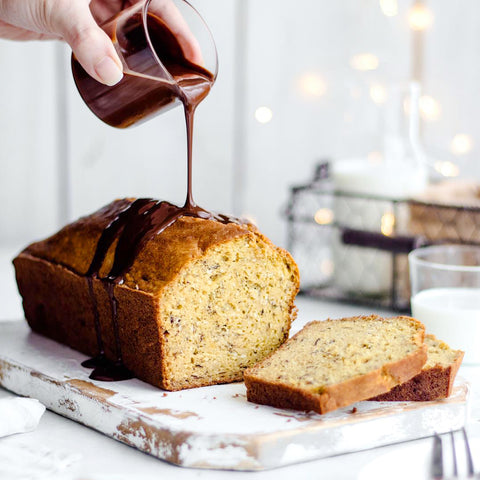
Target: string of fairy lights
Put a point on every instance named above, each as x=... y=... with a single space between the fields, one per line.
x=420 y=19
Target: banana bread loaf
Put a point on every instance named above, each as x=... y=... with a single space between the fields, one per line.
x=334 y=363
x=436 y=379
x=201 y=301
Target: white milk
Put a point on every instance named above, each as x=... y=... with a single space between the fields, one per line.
x=452 y=315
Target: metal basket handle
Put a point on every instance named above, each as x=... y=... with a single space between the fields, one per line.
x=366 y=239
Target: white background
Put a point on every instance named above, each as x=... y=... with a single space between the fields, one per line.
x=57 y=161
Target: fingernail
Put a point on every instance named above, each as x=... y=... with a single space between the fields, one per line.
x=108 y=71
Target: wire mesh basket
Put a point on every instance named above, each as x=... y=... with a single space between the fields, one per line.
x=354 y=248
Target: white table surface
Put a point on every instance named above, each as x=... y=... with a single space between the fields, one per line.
x=89 y=455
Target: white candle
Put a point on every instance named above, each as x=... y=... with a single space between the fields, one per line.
x=453 y=315
x=389 y=179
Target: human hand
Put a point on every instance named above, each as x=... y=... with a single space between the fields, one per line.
x=76 y=22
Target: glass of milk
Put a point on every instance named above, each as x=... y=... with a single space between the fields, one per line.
x=445 y=284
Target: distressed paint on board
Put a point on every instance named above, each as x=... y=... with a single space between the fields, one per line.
x=209 y=427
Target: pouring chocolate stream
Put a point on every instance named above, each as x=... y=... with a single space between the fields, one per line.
x=144 y=218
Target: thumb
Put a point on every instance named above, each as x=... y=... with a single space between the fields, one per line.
x=90 y=44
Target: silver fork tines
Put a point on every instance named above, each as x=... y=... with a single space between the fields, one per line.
x=454 y=453
x=440 y=465
x=471 y=470
x=437 y=459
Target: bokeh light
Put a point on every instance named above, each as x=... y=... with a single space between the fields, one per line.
x=461 y=144
x=324 y=216
x=429 y=108
x=387 y=223
x=312 y=85
x=447 y=169
x=378 y=93
x=263 y=114
x=420 y=17
x=364 y=62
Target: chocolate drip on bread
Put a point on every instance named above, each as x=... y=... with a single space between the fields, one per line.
x=104 y=369
x=132 y=229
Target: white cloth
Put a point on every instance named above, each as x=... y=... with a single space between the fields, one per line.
x=19 y=461
x=19 y=415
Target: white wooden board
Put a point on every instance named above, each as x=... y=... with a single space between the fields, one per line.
x=210 y=427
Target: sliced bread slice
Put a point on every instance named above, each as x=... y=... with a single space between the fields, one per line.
x=333 y=363
x=436 y=379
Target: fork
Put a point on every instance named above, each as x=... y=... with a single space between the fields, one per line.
x=438 y=458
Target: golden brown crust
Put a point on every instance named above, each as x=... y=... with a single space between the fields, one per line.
x=432 y=383
x=188 y=238
x=67 y=316
x=335 y=396
x=74 y=245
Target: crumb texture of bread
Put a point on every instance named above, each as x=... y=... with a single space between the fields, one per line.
x=436 y=379
x=333 y=363
x=202 y=301
x=241 y=312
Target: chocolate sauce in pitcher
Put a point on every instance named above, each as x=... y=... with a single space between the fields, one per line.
x=141 y=220
x=139 y=95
